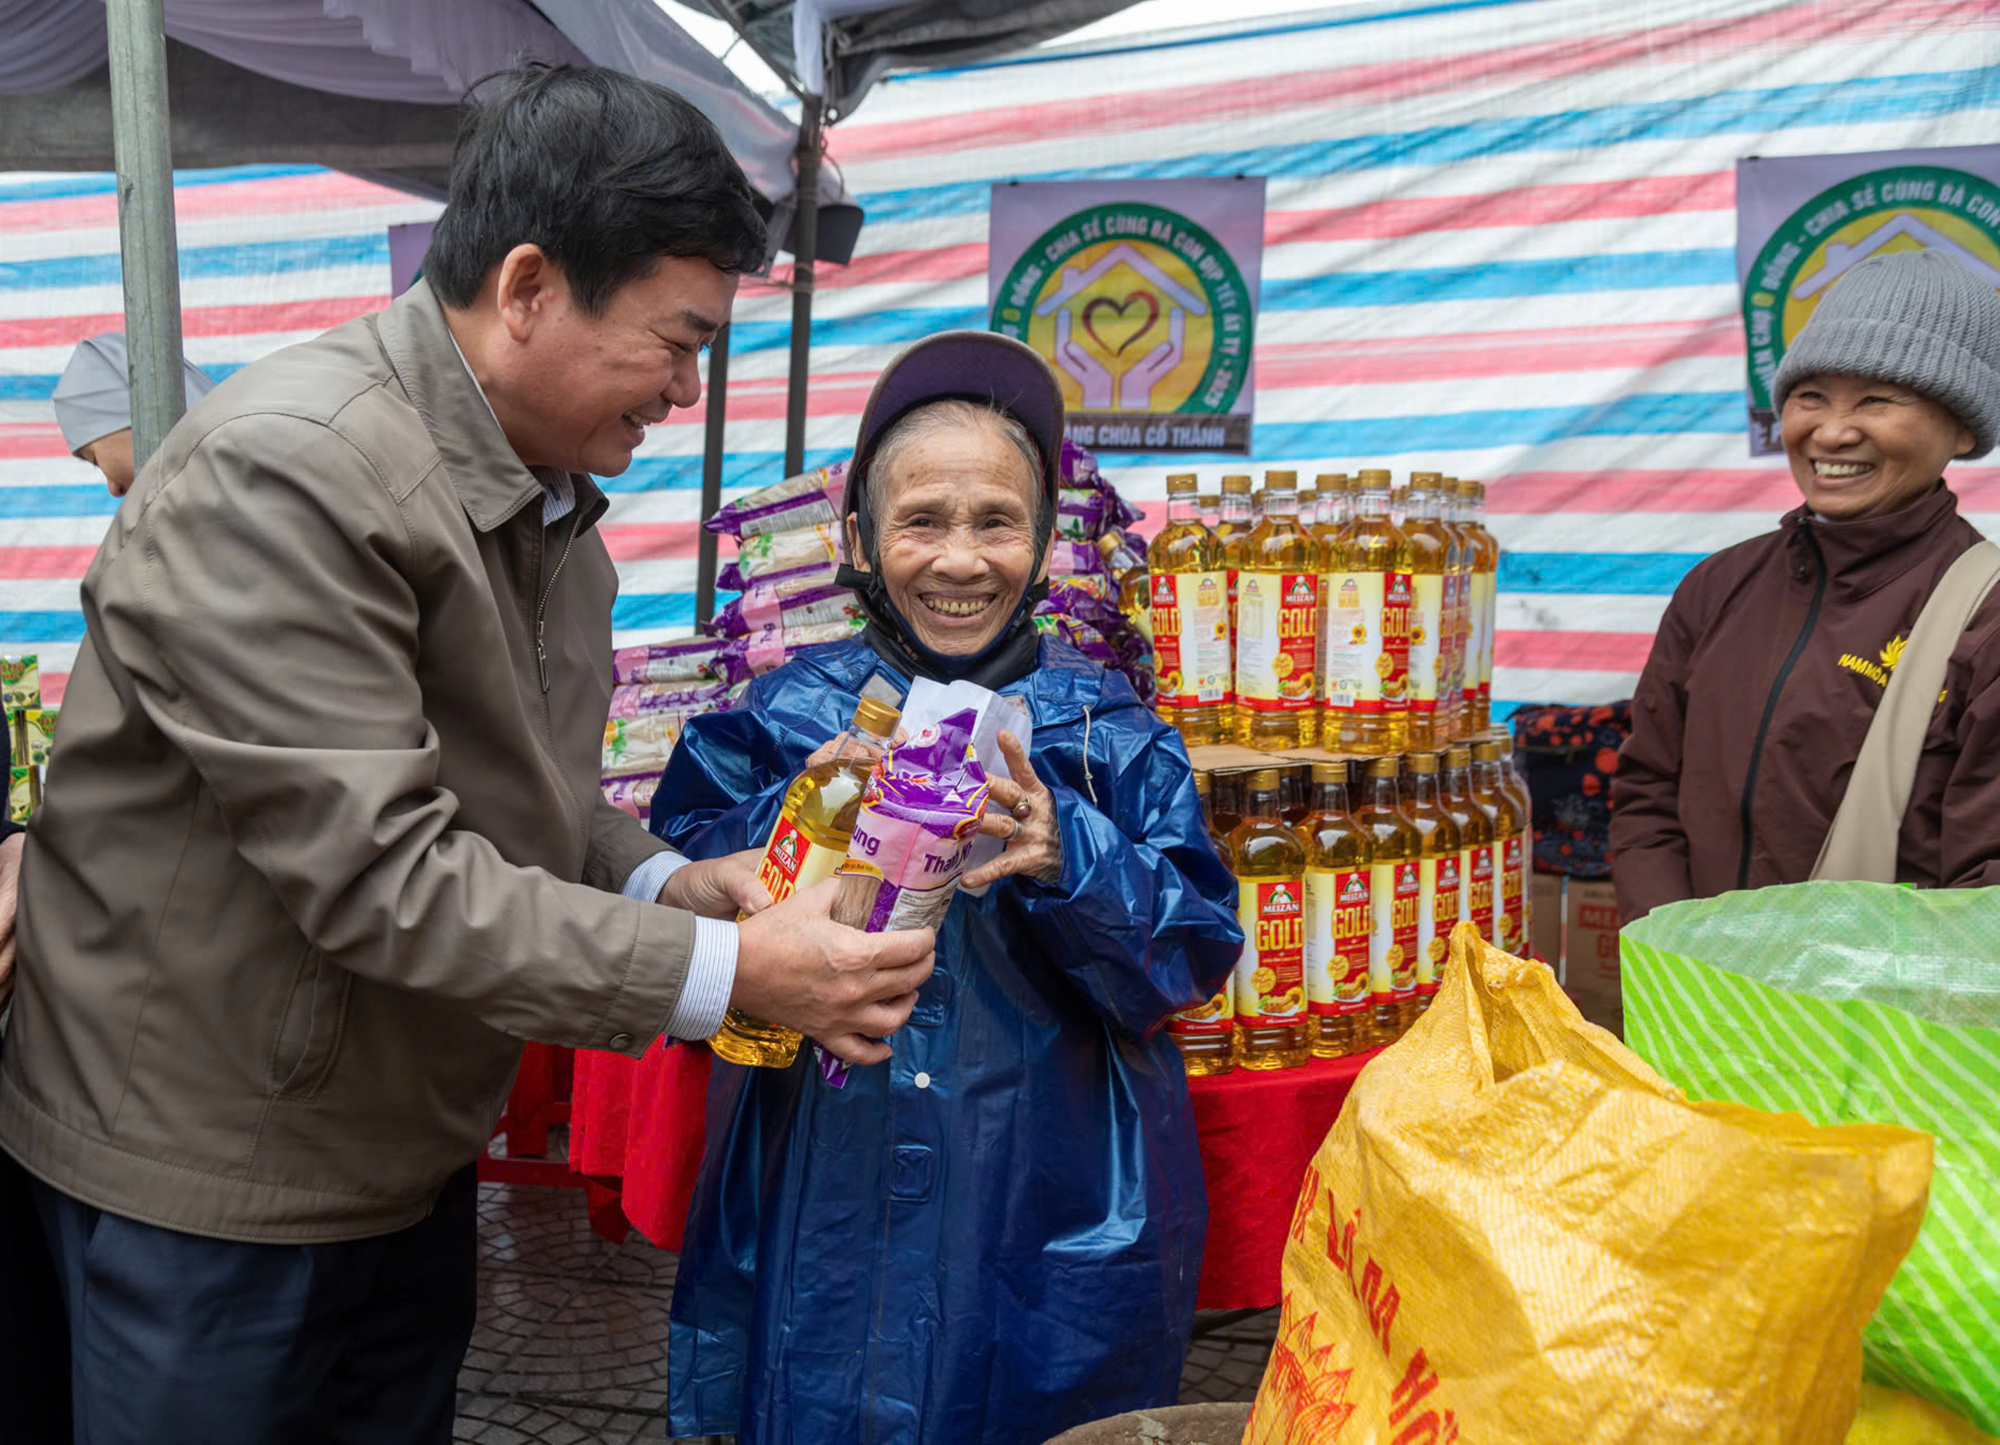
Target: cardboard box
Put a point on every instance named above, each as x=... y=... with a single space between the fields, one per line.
x=1545 y=918
x=1590 y=952
x=20 y=682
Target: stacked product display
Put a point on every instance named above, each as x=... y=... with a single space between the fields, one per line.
x=789 y=548
x=31 y=733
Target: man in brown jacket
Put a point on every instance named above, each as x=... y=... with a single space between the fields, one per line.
x=325 y=840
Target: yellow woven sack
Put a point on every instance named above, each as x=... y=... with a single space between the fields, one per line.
x=1517 y=1234
x=1890 y=1417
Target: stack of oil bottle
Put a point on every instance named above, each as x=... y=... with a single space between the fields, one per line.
x=1353 y=622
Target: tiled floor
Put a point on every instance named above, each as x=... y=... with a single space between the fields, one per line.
x=571 y=1346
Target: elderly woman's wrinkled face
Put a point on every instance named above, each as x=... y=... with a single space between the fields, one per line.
x=955 y=521
x=1862 y=448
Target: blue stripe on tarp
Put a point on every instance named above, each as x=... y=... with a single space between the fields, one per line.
x=41 y=627
x=30 y=386
x=202 y=263
x=1631 y=574
x=56 y=500
x=1749 y=112
x=102 y=183
x=657 y=609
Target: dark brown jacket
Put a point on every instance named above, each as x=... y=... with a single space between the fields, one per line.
x=321 y=845
x=1766 y=671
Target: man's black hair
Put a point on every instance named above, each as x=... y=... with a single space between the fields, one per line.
x=605 y=172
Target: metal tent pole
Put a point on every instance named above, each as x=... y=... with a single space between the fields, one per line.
x=805 y=240
x=149 y=256
x=711 y=474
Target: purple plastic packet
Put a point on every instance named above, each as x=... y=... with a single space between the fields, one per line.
x=635 y=699
x=810 y=498
x=690 y=661
x=918 y=819
x=761 y=608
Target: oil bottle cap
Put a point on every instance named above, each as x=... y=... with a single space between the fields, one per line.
x=1203 y=785
x=1182 y=482
x=1458 y=755
x=1423 y=481
x=1264 y=779
x=1330 y=481
x=1236 y=484
x=1210 y=499
x=1486 y=751
x=1422 y=762
x=876 y=718
x=1387 y=767
x=1107 y=544
x=1329 y=772
x=1281 y=481
x=1467 y=487
x=1374 y=477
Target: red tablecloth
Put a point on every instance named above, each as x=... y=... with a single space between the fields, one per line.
x=636 y=1130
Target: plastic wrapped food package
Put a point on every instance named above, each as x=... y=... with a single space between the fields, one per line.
x=761 y=609
x=638 y=698
x=805 y=551
x=808 y=499
x=690 y=661
x=633 y=792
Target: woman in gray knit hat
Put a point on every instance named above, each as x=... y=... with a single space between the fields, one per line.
x=1775 y=655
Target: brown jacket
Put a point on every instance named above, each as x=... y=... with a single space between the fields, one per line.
x=1762 y=681
x=320 y=847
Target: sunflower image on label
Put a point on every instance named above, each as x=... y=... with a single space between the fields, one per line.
x=1190 y=637
x=1365 y=641
x=1337 y=926
x=1217 y=1016
x=1277 y=622
x=1475 y=899
x=1437 y=913
x=1426 y=627
x=1270 y=972
x=1392 y=934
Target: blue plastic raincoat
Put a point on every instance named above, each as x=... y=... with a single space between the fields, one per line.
x=996 y=1235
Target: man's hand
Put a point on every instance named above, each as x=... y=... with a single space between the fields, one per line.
x=10 y=880
x=718 y=887
x=847 y=989
x=1022 y=812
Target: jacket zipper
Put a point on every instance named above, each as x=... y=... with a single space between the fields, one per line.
x=542 y=608
x=1771 y=702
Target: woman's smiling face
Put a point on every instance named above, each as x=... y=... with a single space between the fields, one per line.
x=1863 y=448
x=954 y=510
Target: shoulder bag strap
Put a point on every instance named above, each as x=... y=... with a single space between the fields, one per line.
x=1862 y=842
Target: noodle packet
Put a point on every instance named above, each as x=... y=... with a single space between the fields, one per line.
x=774 y=554
x=919 y=819
x=633 y=793
x=761 y=608
x=809 y=499
x=635 y=699
x=690 y=661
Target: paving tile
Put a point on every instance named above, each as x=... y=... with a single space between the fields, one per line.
x=1228 y=1364
x=543 y=1231
x=497 y=1420
x=605 y=1345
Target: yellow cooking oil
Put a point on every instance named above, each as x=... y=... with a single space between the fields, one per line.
x=1483 y=606
x=1394 y=846
x=1475 y=821
x=1437 y=881
x=1129 y=579
x=1190 y=614
x=1277 y=626
x=1338 y=855
x=1206 y=1032
x=1269 y=862
x=1238 y=517
x=1520 y=874
x=1365 y=627
x=808 y=842
x=1433 y=557
x=1508 y=825
x=1453 y=641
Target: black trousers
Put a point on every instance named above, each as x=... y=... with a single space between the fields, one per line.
x=34 y=1347
x=177 y=1339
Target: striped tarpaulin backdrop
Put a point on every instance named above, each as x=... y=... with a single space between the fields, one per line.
x=1499 y=242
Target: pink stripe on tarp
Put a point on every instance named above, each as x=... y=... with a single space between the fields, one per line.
x=1783 y=26
x=650 y=541
x=1747 y=489
x=30 y=439
x=322 y=314
x=1577 y=651
x=327 y=191
x=53 y=686
x=22 y=564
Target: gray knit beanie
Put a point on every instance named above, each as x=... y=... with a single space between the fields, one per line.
x=1918 y=319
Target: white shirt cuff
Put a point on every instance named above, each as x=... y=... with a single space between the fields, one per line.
x=645 y=881
x=711 y=975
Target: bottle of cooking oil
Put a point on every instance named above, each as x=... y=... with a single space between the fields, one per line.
x=1206 y=1033
x=1505 y=863
x=1338 y=856
x=1333 y=508
x=1190 y=619
x=1393 y=889
x=1433 y=556
x=1211 y=510
x=1295 y=793
x=1437 y=881
x=1365 y=595
x=1128 y=575
x=1475 y=822
x=1237 y=520
x=807 y=843
x=1277 y=626
x=1522 y=880
x=1270 y=864
x=1453 y=640
x=1483 y=605
x=1225 y=804
x=1399 y=505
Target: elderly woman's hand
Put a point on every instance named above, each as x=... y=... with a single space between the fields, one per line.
x=828 y=750
x=1022 y=812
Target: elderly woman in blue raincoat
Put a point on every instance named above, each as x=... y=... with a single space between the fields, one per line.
x=995 y=1233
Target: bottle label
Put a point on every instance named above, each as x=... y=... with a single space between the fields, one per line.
x=1217 y=1016
x=1450 y=640
x=1270 y=972
x=1426 y=626
x=1475 y=899
x=1338 y=918
x=1366 y=640
x=1392 y=939
x=1438 y=888
x=793 y=861
x=1514 y=890
x=1507 y=906
x=1277 y=631
x=1483 y=623
x=1190 y=638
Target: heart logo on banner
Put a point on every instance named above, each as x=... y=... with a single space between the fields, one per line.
x=1125 y=329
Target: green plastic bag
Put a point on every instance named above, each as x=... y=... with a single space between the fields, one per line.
x=1856 y=1003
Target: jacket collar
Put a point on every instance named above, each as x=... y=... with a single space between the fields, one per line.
x=492 y=483
x=1865 y=555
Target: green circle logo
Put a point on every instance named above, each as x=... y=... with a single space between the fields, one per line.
x=1139 y=310
x=1900 y=208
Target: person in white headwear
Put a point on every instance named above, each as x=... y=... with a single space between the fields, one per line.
x=93 y=402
